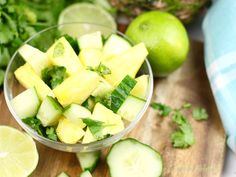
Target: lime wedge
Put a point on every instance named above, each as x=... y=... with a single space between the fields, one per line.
x=86 y=13
x=18 y=153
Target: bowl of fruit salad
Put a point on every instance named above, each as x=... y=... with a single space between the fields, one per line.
x=78 y=92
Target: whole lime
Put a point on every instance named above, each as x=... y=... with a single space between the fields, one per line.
x=165 y=37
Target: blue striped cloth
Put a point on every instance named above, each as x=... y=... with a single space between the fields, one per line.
x=219 y=27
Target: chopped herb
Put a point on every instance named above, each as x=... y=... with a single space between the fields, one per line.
x=183 y=137
x=54 y=75
x=51 y=134
x=95 y=127
x=164 y=110
x=101 y=70
x=199 y=114
x=35 y=124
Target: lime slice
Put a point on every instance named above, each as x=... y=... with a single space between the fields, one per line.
x=86 y=13
x=18 y=153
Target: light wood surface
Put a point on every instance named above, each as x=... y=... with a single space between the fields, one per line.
x=188 y=84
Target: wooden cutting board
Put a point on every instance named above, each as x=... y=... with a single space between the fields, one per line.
x=188 y=84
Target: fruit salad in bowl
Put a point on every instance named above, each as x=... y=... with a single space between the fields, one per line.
x=78 y=93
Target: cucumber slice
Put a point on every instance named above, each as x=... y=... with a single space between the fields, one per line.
x=131 y=107
x=86 y=174
x=75 y=113
x=130 y=158
x=49 y=111
x=120 y=93
x=37 y=59
x=91 y=41
x=26 y=104
x=114 y=46
x=69 y=132
x=63 y=174
x=88 y=160
x=102 y=89
x=140 y=89
x=90 y=57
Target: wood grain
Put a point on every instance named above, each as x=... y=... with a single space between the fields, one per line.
x=188 y=84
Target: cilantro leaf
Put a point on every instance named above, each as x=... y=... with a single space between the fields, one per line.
x=179 y=118
x=164 y=110
x=54 y=75
x=183 y=137
x=199 y=114
x=4 y=57
x=101 y=70
x=51 y=134
x=35 y=124
x=95 y=127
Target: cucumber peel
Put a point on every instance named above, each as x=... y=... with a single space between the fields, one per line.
x=88 y=160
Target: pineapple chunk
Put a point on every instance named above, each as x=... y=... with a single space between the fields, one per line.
x=69 y=132
x=76 y=88
x=113 y=122
x=140 y=88
x=128 y=63
x=28 y=78
x=62 y=54
x=88 y=137
x=90 y=57
x=37 y=59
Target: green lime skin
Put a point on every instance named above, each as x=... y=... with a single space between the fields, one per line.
x=165 y=38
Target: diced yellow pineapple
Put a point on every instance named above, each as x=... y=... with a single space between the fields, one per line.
x=62 y=54
x=90 y=57
x=113 y=122
x=38 y=60
x=128 y=63
x=88 y=137
x=77 y=88
x=69 y=132
x=140 y=88
x=28 y=78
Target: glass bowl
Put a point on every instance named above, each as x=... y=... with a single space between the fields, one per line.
x=44 y=39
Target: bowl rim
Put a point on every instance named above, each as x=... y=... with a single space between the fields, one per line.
x=79 y=146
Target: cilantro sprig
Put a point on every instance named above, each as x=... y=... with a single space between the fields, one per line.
x=183 y=136
x=101 y=69
x=34 y=123
x=54 y=75
x=96 y=127
x=200 y=114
